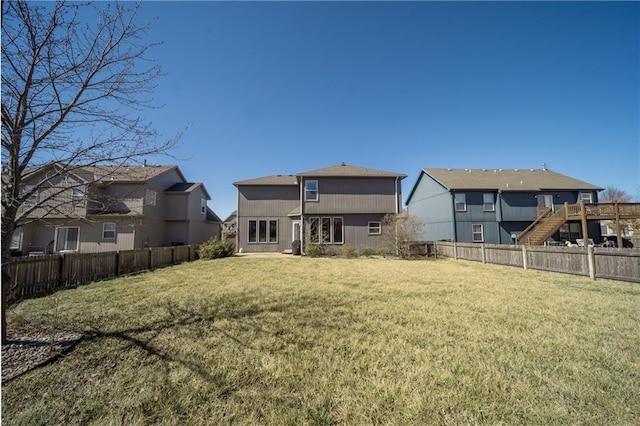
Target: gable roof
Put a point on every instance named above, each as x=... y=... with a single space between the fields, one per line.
x=507 y=179
x=344 y=170
x=277 y=180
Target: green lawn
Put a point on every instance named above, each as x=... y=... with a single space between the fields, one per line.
x=298 y=341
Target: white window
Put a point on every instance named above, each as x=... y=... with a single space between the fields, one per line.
x=375 y=228
x=461 y=202
x=203 y=206
x=586 y=197
x=478 y=233
x=263 y=231
x=311 y=190
x=149 y=197
x=489 y=204
x=108 y=231
x=78 y=195
x=326 y=230
x=32 y=200
x=16 y=239
x=67 y=238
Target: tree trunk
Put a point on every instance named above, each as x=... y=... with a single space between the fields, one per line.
x=8 y=226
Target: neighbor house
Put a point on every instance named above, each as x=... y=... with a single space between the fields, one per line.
x=108 y=208
x=495 y=205
x=333 y=206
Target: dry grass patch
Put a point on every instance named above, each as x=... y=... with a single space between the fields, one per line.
x=338 y=341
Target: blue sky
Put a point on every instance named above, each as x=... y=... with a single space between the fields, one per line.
x=284 y=87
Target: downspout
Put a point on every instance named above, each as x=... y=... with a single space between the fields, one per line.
x=397 y=212
x=455 y=219
x=499 y=215
x=301 y=217
x=397 y=195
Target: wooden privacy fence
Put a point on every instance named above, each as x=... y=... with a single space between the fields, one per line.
x=621 y=264
x=43 y=274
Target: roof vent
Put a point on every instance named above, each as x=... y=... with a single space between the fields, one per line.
x=516 y=170
x=343 y=164
x=544 y=167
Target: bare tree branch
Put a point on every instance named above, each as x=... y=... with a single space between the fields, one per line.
x=73 y=92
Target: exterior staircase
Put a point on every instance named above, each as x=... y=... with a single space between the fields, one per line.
x=545 y=225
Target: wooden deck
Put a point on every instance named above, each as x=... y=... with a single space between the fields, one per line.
x=603 y=211
x=548 y=221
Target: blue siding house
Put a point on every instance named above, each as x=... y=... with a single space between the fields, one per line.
x=492 y=205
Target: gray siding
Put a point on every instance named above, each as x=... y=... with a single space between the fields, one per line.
x=432 y=205
x=353 y=196
x=355 y=231
x=262 y=202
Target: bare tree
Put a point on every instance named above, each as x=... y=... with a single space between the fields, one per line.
x=612 y=194
x=400 y=232
x=73 y=95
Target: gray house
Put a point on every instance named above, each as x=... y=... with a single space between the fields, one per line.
x=108 y=208
x=493 y=205
x=333 y=206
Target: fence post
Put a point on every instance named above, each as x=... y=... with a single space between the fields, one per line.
x=61 y=271
x=524 y=257
x=455 y=250
x=117 y=268
x=149 y=258
x=484 y=255
x=591 y=260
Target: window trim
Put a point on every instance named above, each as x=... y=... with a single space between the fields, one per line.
x=104 y=230
x=150 y=197
x=56 y=238
x=307 y=190
x=34 y=198
x=18 y=234
x=267 y=231
x=371 y=230
x=463 y=202
x=582 y=194
x=474 y=233
x=492 y=207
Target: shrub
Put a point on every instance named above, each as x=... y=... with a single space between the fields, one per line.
x=330 y=252
x=313 y=251
x=216 y=249
x=347 y=251
x=367 y=251
x=383 y=251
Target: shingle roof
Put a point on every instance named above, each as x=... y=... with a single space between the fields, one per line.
x=507 y=179
x=187 y=187
x=344 y=170
x=180 y=187
x=284 y=180
x=127 y=173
